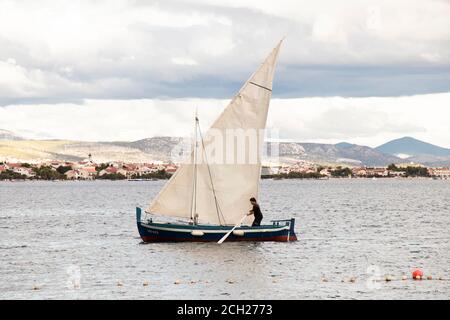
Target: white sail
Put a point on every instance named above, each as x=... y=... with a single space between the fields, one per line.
x=223 y=188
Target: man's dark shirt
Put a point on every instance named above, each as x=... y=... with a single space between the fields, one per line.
x=257 y=212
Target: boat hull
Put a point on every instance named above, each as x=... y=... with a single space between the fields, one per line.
x=280 y=230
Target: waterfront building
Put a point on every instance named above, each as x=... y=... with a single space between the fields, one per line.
x=377 y=172
x=397 y=173
x=325 y=172
x=442 y=173
x=28 y=172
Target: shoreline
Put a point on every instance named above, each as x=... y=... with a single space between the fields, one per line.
x=273 y=179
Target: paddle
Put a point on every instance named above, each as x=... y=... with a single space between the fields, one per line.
x=229 y=232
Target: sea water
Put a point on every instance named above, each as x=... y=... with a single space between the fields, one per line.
x=78 y=240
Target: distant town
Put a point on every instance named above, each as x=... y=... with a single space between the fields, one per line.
x=116 y=170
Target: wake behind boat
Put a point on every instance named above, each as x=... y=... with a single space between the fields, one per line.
x=212 y=190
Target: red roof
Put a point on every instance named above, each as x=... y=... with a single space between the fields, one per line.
x=129 y=167
x=111 y=169
x=14 y=165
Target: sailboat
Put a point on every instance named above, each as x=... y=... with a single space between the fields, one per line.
x=212 y=197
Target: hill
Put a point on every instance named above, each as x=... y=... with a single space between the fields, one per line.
x=417 y=151
x=12 y=148
x=412 y=147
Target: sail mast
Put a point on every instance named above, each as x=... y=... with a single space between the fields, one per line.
x=194 y=172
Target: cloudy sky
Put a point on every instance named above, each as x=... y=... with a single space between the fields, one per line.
x=357 y=70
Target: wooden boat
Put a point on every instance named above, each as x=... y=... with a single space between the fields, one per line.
x=212 y=195
x=279 y=230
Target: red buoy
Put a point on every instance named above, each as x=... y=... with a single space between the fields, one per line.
x=417 y=274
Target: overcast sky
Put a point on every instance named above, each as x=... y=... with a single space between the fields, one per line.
x=357 y=70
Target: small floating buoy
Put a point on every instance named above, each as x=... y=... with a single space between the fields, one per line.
x=193 y=281
x=324 y=279
x=417 y=274
x=119 y=284
x=177 y=281
x=440 y=278
x=387 y=278
x=230 y=281
x=145 y=283
x=404 y=277
x=352 y=279
x=35 y=287
x=429 y=278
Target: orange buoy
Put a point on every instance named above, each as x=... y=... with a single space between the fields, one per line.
x=417 y=274
x=429 y=278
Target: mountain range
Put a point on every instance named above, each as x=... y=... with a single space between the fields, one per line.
x=407 y=149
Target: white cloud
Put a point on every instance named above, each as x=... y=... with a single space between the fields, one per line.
x=184 y=61
x=81 y=49
x=369 y=121
x=19 y=81
x=15 y=80
x=326 y=29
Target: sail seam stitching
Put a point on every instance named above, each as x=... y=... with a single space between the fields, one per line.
x=258 y=85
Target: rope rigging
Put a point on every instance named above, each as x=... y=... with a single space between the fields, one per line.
x=218 y=209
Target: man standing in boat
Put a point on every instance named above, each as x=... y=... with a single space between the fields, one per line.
x=256 y=211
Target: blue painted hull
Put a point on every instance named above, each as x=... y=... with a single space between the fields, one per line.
x=280 y=230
